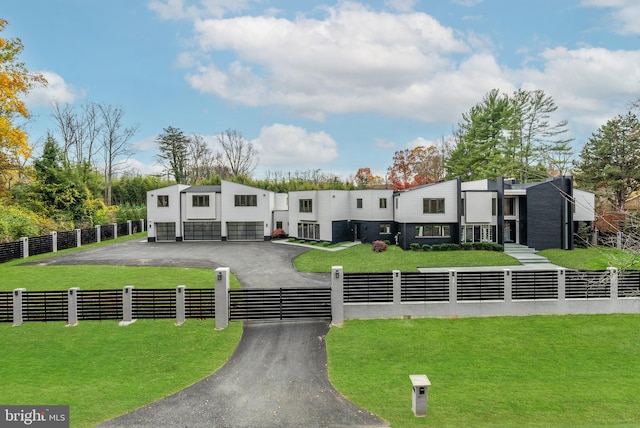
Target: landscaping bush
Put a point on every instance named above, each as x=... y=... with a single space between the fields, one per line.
x=386 y=241
x=379 y=246
x=487 y=246
x=426 y=247
x=467 y=246
x=278 y=233
x=445 y=247
x=414 y=246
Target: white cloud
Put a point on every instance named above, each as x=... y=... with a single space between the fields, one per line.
x=467 y=3
x=401 y=5
x=625 y=16
x=56 y=91
x=282 y=146
x=178 y=9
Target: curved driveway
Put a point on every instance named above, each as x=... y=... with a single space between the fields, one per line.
x=277 y=377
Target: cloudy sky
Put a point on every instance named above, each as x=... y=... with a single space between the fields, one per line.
x=330 y=85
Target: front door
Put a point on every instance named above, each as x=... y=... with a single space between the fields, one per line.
x=509 y=231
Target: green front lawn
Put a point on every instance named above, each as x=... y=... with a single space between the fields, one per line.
x=360 y=258
x=544 y=371
x=592 y=258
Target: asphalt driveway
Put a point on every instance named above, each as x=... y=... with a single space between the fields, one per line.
x=277 y=377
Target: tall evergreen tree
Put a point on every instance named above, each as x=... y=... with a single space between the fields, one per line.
x=173 y=145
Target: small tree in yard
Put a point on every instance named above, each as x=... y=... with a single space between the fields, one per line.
x=379 y=246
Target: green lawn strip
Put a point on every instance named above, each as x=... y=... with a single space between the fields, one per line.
x=593 y=258
x=361 y=258
x=102 y=370
x=502 y=371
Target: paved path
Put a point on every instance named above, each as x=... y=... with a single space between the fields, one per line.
x=277 y=376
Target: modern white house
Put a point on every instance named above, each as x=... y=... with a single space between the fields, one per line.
x=541 y=214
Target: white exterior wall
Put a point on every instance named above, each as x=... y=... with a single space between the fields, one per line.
x=212 y=212
x=231 y=213
x=370 y=210
x=475 y=185
x=585 y=203
x=156 y=214
x=410 y=208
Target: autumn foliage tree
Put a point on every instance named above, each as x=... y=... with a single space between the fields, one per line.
x=15 y=82
x=413 y=167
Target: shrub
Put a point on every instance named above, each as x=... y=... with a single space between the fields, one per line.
x=414 y=246
x=379 y=246
x=386 y=241
x=467 y=246
x=426 y=247
x=278 y=233
x=325 y=244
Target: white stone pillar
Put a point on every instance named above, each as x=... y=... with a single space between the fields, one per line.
x=337 y=295
x=17 y=306
x=180 y=305
x=222 y=297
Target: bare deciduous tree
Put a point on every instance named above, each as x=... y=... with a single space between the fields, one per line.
x=241 y=156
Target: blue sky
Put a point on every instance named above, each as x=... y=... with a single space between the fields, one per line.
x=323 y=84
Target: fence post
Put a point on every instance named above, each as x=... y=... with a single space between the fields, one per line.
x=98 y=233
x=337 y=295
x=562 y=289
x=78 y=237
x=72 y=296
x=222 y=298
x=141 y=225
x=508 y=282
x=614 y=273
x=397 y=290
x=17 y=306
x=619 y=240
x=54 y=242
x=453 y=292
x=25 y=247
x=594 y=238
x=127 y=306
x=115 y=230
x=129 y=227
x=180 y=305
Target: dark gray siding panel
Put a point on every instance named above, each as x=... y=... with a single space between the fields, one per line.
x=549 y=219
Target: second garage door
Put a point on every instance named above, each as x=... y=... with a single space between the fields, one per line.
x=202 y=231
x=245 y=231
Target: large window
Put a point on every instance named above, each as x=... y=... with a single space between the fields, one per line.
x=306 y=205
x=478 y=233
x=246 y=200
x=163 y=200
x=433 y=231
x=385 y=229
x=309 y=231
x=383 y=202
x=433 y=205
x=509 y=206
x=200 y=200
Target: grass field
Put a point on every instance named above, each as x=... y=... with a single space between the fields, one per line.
x=545 y=371
x=360 y=258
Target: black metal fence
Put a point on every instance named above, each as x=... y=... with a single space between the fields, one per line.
x=68 y=239
x=280 y=304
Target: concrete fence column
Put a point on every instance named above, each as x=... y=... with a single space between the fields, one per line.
x=98 y=234
x=115 y=230
x=72 y=316
x=337 y=295
x=127 y=306
x=54 y=242
x=180 y=305
x=615 y=274
x=453 y=292
x=397 y=289
x=222 y=297
x=508 y=285
x=141 y=225
x=562 y=290
x=17 y=306
x=24 y=242
x=619 y=240
x=78 y=237
x=129 y=228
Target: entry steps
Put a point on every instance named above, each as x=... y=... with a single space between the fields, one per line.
x=524 y=254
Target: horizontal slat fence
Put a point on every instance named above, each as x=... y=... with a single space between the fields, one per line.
x=420 y=287
x=534 y=285
x=98 y=305
x=40 y=245
x=587 y=284
x=280 y=304
x=10 y=251
x=629 y=284
x=480 y=286
x=154 y=303
x=44 y=306
x=200 y=303
x=6 y=306
x=368 y=287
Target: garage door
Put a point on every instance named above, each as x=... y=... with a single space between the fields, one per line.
x=245 y=231
x=165 y=232
x=202 y=231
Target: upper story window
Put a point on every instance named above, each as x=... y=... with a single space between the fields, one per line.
x=246 y=200
x=359 y=203
x=509 y=206
x=306 y=205
x=433 y=205
x=163 y=200
x=200 y=200
x=383 y=202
